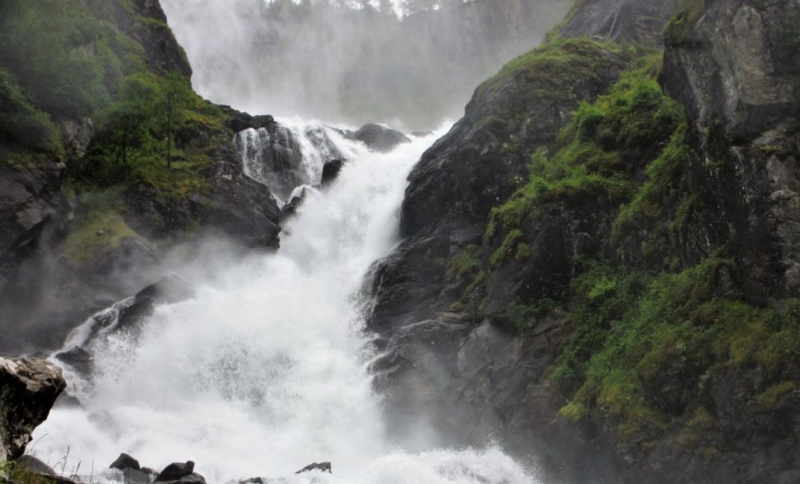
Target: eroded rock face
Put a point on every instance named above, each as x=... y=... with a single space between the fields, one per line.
x=735 y=64
x=28 y=390
x=620 y=20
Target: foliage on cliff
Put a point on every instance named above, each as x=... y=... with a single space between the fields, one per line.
x=62 y=59
x=651 y=326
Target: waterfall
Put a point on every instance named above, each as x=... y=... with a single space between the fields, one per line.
x=286 y=154
x=265 y=370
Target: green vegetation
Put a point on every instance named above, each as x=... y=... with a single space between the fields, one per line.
x=69 y=60
x=526 y=318
x=588 y=164
x=632 y=327
x=642 y=314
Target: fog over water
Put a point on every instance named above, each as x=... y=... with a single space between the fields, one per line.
x=324 y=59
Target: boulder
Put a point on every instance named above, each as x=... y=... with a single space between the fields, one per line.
x=316 y=466
x=296 y=200
x=125 y=461
x=28 y=390
x=378 y=137
x=176 y=471
x=168 y=290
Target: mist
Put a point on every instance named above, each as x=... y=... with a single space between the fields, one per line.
x=351 y=64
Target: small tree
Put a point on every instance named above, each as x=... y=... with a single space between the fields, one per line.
x=127 y=121
x=176 y=98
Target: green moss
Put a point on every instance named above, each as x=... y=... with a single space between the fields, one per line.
x=587 y=166
x=769 y=398
x=510 y=243
x=525 y=318
x=630 y=327
x=467 y=262
x=478 y=281
x=98 y=227
x=9 y=472
x=572 y=412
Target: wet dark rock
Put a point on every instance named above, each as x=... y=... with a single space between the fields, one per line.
x=28 y=390
x=321 y=466
x=176 y=471
x=78 y=358
x=65 y=400
x=236 y=207
x=125 y=461
x=620 y=20
x=271 y=155
x=31 y=205
x=378 y=138
x=330 y=171
x=734 y=67
x=168 y=290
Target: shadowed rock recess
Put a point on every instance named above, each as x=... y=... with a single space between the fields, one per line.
x=600 y=261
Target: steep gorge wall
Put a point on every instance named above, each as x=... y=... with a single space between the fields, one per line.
x=610 y=288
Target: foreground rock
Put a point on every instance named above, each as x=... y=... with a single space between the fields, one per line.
x=28 y=390
x=124 y=461
x=180 y=472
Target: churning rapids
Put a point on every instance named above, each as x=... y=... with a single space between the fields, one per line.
x=265 y=369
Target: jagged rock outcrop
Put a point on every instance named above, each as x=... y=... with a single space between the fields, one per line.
x=735 y=66
x=619 y=20
x=479 y=162
x=28 y=390
x=146 y=22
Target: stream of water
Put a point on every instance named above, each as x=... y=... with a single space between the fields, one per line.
x=265 y=370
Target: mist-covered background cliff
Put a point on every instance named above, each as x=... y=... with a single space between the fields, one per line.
x=352 y=62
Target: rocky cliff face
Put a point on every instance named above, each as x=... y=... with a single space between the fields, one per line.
x=63 y=258
x=619 y=20
x=611 y=287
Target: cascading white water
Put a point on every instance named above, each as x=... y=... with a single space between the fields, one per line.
x=264 y=371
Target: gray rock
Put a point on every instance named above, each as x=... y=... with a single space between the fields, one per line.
x=639 y=21
x=321 y=466
x=176 y=471
x=28 y=390
x=125 y=461
x=378 y=138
